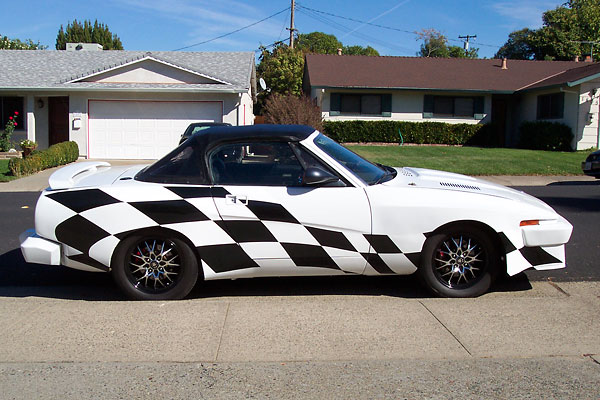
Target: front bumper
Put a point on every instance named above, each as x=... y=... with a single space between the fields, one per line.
x=547 y=233
x=38 y=250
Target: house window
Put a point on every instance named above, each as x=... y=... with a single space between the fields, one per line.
x=8 y=106
x=550 y=106
x=453 y=106
x=359 y=103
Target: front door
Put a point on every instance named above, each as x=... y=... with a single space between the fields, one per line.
x=58 y=119
x=499 y=114
x=283 y=227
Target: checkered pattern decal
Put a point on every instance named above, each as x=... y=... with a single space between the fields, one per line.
x=101 y=217
x=534 y=256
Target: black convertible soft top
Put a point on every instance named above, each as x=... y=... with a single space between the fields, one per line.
x=180 y=166
x=217 y=134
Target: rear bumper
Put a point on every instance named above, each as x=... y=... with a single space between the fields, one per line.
x=39 y=250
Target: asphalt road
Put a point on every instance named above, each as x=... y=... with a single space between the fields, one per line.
x=579 y=202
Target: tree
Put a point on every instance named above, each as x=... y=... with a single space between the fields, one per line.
x=435 y=44
x=560 y=37
x=322 y=43
x=290 y=109
x=282 y=69
x=318 y=43
x=16 y=44
x=359 y=51
x=77 y=32
x=519 y=46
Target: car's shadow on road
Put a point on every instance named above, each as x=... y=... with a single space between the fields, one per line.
x=20 y=279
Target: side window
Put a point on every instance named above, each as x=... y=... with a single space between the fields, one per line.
x=255 y=164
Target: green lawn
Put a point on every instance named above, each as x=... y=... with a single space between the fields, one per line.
x=5 y=174
x=476 y=160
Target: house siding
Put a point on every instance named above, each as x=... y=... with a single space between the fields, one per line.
x=407 y=105
x=588 y=117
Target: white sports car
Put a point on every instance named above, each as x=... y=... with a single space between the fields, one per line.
x=269 y=200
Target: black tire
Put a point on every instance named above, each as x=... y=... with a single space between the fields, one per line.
x=154 y=266
x=459 y=262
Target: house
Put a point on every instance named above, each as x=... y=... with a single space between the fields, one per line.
x=505 y=92
x=122 y=104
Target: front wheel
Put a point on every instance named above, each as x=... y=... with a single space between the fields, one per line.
x=154 y=267
x=459 y=263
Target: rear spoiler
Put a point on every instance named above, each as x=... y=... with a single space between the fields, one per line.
x=66 y=177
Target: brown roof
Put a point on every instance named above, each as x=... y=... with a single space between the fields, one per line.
x=440 y=73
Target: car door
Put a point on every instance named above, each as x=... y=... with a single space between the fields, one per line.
x=281 y=226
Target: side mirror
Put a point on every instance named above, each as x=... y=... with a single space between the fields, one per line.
x=314 y=176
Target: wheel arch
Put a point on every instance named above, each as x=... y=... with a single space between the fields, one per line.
x=164 y=231
x=488 y=230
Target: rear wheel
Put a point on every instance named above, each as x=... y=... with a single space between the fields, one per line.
x=155 y=267
x=459 y=262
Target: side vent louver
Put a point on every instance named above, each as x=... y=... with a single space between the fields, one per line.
x=459 y=186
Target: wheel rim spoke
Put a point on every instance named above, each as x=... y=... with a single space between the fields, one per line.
x=153 y=265
x=459 y=261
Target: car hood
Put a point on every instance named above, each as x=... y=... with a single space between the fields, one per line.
x=91 y=173
x=440 y=180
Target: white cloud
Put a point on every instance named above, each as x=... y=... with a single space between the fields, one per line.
x=523 y=13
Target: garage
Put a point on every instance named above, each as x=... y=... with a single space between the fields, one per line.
x=125 y=129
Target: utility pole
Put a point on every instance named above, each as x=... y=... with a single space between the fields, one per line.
x=291 y=28
x=466 y=45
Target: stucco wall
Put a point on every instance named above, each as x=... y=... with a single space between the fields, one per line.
x=407 y=105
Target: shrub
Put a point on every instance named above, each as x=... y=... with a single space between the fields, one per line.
x=8 y=131
x=544 y=135
x=290 y=109
x=57 y=154
x=412 y=132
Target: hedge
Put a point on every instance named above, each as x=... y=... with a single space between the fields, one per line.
x=412 y=132
x=55 y=155
x=544 y=135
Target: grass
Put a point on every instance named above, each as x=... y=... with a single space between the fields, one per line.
x=476 y=160
x=5 y=175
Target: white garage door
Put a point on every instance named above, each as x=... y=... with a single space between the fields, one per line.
x=143 y=129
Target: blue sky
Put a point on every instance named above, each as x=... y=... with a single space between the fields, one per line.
x=169 y=25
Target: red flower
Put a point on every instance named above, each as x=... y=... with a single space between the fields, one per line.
x=10 y=118
x=15 y=124
x=16 y=113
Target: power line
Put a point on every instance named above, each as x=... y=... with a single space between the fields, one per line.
x=236 y=31
x=380 y=26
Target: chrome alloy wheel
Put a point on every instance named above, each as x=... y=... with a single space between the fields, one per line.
x=459 y=261
x=154 y=265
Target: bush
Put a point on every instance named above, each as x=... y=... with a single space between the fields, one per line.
x=57 y=154
x=290 y=109
x=412 y=132
x=544 y=135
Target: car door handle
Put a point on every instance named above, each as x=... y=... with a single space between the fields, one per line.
x=233 y=199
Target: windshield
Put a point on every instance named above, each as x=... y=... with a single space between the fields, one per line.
x=367 y=171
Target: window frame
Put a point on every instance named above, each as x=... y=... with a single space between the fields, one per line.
x=5 y=113
x=554 y=100
x=429 y=107
x=336 y=100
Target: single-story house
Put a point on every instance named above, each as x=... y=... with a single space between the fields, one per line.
x=506 y=92
x=123 y=104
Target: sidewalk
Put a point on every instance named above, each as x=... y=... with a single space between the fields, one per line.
x=39 y=181
x=547 y=320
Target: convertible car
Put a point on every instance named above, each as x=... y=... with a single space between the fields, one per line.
x=269 y=200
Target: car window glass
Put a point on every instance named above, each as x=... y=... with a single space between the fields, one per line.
x=367 y=171
x=260 y=164
x=182 y=165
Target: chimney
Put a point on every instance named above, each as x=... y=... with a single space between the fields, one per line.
x=576 y=59
x=339 y=52
x=504 y=66
x=588 y=59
